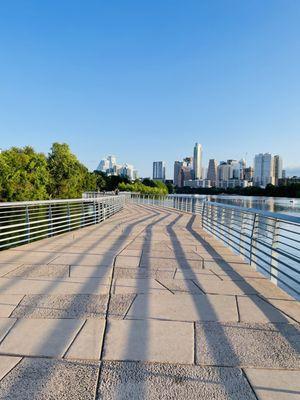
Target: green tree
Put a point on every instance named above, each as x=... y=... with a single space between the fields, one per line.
x=69 y=178
x=23 y=175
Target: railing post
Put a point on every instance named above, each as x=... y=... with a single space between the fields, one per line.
x=69 y=216
x=94 y=211
x=27 y=216
x=252 y=238
x=274 y=261
x=50 y=220
x=202 y=214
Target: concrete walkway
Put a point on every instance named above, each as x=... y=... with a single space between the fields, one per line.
x=143 y=306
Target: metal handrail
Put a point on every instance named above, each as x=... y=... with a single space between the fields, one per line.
x=269 y=241
x=33 y=220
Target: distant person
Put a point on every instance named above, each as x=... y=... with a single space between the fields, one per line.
x=116 y=192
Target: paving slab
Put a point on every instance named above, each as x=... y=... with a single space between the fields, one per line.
x=163 y=263
x=290 y=307
x=8 y=303
x=88 y=343
x=84 y=259
x=123 y=286
x=61 y=306
x=36 y=271
x=136 y=381
x=194 y=274
x=155 y=341
x=254 y=309
x=248 y=344
x=7 y=363
x=5 y=326
x=187 y=255
x=53 y=285
x=184 y=307
x=181 y=285
x=140 y=273
x=40 y=337
x=44 y=379
x=127 y=261
x=275 y=384
x=8 y=267
x=267 y=289
x=27 y=257
x=78 y=271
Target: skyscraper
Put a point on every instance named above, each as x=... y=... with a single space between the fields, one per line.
x=212 y=171
x=197 y=161
x=159 y=171
x=177 y=168
x=263 y=169
x=277 y=168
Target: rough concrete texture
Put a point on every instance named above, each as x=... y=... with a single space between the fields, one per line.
x=62 y=306
x=44 y=379
x=245 y=344
x=142 y=273
x=275 y=384
x=137 y=381
x=72 y=306
x=35 y=270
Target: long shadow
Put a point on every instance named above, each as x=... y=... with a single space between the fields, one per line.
x=189 y=273
x=35 y=267
x=130 y=343
x=181 y=258
x=244 y=285
x=52 y=332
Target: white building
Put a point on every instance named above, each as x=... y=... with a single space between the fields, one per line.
x=197 y=161
x=159 y=171
x=109 y=166
x=263 y=169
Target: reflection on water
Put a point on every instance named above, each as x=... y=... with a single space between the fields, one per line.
x=273 y=204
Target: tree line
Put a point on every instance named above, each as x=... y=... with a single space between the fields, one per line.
x=289 y=190
x=28 y=175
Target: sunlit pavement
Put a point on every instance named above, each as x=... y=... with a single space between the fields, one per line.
x=144 y=306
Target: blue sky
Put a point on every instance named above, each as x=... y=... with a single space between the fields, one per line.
x=144 y=80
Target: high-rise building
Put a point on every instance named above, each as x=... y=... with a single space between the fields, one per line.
x=223 y=171
x=197 y=161
x=277 y=168
x=247 y=174
x=177 y=168
x=159 y=171
x=263 y=169
x=212 y=171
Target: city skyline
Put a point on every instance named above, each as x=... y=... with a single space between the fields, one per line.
x=130 y=82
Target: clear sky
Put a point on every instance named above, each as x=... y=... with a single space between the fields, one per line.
x=144 y=80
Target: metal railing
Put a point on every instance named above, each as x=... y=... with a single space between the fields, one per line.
x=24 y=222
x=269 y=241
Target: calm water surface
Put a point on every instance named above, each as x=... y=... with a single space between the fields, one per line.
x=273 y=204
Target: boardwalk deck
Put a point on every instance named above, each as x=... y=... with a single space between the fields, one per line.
x=143 y=306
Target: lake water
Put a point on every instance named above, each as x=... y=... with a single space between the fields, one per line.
x=273 y=204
